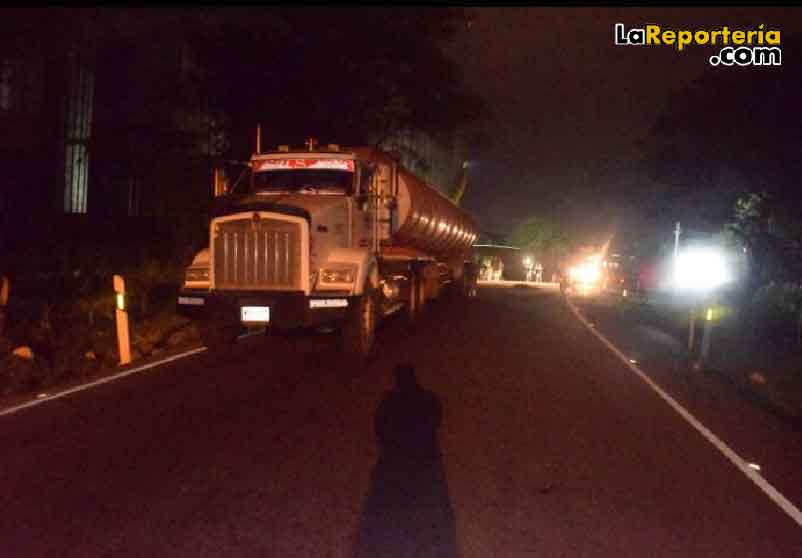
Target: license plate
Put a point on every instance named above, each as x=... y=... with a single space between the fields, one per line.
x=328 y=303
x=190 y=300
x=255 y=314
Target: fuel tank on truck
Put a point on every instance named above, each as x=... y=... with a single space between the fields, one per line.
x=425 y=219
x=429 y=221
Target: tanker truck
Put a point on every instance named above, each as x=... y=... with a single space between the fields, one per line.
x=327 y=237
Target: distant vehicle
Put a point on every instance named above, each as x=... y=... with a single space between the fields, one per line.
x=327 y=237
x=583 y=273
x=620 y=275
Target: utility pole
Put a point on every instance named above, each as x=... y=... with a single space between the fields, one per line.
x=677 y=231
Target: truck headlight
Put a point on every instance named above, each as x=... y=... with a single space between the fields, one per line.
x=197 y=275
x=337 y=275
x=701 y=269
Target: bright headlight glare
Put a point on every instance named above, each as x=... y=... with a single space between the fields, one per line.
x=337 y=275
x=197 y=274
x=587 y=272
x=701 y=269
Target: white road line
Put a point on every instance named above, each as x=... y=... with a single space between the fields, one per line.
x=251 y=334
x=744 y=466
x=82 y=387
x=41 y=398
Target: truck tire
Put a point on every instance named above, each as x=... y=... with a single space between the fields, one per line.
x=456 y=289
x=465 y=286
x=216 y=334
x=359 y=331
x=421 y=294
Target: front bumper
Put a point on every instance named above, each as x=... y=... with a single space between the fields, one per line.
x=288 y=310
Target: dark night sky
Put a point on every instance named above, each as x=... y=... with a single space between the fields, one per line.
x=569 y=108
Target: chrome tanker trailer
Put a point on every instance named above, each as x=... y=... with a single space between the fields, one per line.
x=327 y=237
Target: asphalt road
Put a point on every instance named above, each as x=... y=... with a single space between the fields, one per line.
x=501 y=427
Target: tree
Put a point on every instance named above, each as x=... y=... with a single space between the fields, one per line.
x=541 y=237
x=725 y=154
x=462 y=184
x=727 y=136
x=344 y=75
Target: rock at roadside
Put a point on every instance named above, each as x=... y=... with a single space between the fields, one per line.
x=23 y=352
x=19 y=372
x=143 y=346
x=188 y=333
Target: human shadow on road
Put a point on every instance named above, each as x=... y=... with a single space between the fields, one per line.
x=407 y=511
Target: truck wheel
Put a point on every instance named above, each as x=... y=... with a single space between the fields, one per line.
x=420 y=292
x=456 y=289
x=359 y=332
x=464 y=287
x=216 y=335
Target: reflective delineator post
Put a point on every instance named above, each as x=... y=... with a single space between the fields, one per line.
x=123 y=336
x=5 y=288
x=706 y=336
x=691 y=330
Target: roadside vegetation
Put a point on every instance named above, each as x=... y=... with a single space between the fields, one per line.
x=59 y=322
x=737 y=180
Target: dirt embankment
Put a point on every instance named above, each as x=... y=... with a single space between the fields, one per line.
x=47 y=358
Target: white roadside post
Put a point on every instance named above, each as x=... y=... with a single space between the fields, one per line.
x=123 y=336
x=691 y=329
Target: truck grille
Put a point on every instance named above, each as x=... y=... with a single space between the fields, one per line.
x=256 y=255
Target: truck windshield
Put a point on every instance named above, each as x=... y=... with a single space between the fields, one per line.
x=304 y=180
